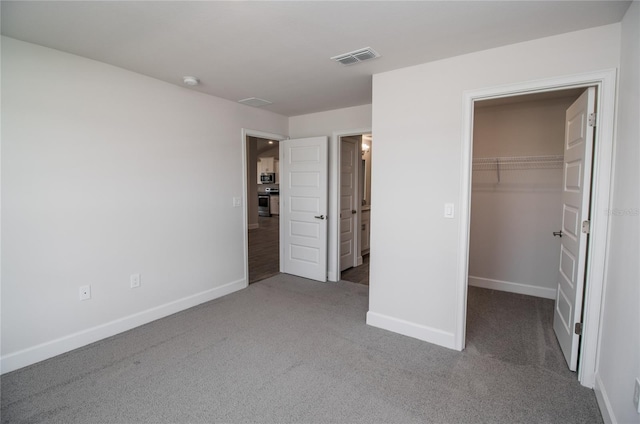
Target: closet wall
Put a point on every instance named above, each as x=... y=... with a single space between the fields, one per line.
x=516 y=204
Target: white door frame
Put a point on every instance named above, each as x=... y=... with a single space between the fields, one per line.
x=605 y=83
x=245 y=186
x=335 y=156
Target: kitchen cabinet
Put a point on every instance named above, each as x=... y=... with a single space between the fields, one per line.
x=275 y=204
x=365 y=220
x=267 y=165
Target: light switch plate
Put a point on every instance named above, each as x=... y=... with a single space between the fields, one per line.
x=449 y=210
x=237 y=202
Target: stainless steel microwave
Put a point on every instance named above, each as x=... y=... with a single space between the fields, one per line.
x=268 y=178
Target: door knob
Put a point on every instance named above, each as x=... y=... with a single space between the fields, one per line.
x=353 y=211
x=557 y=233
x=319 y=217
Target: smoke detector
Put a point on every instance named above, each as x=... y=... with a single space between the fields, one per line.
x=356 y=56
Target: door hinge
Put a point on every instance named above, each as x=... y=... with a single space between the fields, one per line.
x=578 y=329
x=593 y=118
x=586 y=227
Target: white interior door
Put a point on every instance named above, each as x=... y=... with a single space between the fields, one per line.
x=349 y=161
x=578 y=151
x=303 y=207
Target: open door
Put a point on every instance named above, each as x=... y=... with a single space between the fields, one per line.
x=303 y=205
x=349 y=168
x=578 y=152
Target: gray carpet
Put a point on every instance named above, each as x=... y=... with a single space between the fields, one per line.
x=291 y=350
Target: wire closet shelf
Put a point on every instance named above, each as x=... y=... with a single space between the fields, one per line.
x=518 y=163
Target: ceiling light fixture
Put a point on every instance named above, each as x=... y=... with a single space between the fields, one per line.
x=356 y=56
x=190 y=81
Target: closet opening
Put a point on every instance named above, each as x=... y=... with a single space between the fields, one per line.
x=530 y=188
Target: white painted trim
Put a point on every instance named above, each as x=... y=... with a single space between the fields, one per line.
x=333 y=271
x=605 y=81
x=47 y=350
x=602 y=176
x=411 y=329
x=508 y=286
x=245 y=211
x=253 y=226
x=604 y=404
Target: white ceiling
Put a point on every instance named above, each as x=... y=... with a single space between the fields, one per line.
x=280 y=51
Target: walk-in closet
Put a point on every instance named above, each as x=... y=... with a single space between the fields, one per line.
x=516 y=207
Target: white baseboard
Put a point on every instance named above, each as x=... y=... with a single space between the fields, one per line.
x=31 y=355
x=507 y=286
x=411 y=329
x=603 y=402
x=254 y=226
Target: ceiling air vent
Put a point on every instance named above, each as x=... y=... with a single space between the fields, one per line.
x=356 y=56
x=255 y=102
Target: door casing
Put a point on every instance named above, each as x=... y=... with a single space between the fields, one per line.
x=605 y=83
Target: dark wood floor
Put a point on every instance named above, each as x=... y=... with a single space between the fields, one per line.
x=264 y=254
x=264 y=249
x=358 y=274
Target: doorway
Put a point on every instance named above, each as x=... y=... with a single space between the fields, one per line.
x=262 y=212
x=604 y=82
x=355 y=206
x=516 y=220
x=325 y=213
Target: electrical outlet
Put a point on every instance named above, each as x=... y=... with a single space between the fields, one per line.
x=134 y=279
x=636 y=396
x=85 y=292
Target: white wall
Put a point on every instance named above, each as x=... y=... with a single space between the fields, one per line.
x=417 y=125
x=106 y=173
x=325 y=124
x=511 y=245
x=619 y=358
